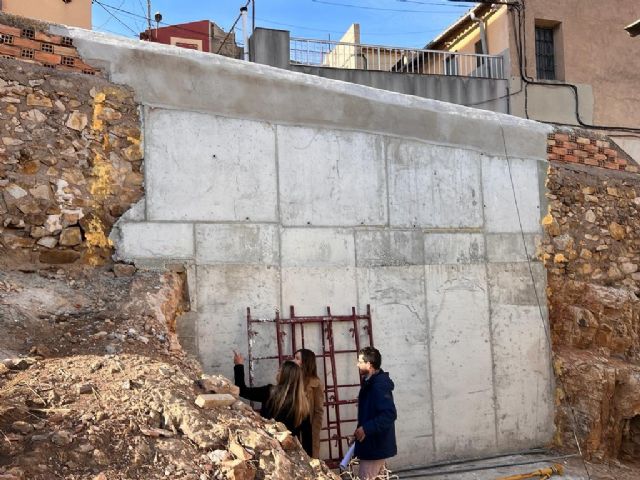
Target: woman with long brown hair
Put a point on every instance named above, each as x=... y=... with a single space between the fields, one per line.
x=285 y=402
x=315 y=394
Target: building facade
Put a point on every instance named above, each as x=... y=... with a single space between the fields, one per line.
x=570 y=62
x=203 y=35
x=76 y=13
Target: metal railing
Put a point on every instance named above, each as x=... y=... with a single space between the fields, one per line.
x=326 y=53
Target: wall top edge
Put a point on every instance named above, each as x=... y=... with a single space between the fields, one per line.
x=164 y=74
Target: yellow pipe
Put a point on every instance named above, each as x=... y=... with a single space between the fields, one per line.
x=543 y=473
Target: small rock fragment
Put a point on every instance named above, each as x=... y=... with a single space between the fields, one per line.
x=22 y=427
x=215 y=400
x=62 y=438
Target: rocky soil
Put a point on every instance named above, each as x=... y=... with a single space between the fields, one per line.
x=98 y=388
x=592 y=253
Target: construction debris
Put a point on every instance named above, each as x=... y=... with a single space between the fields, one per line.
x=215 y=400
x=103 y=404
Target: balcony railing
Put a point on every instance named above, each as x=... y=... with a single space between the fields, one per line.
x=326 y=53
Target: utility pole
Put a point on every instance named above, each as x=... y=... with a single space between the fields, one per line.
x=253 y=16
x=149 y=20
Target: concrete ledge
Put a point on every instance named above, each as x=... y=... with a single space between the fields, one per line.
x=159 y=240
x=159 y=73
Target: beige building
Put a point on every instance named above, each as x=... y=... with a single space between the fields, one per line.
x=576 y=56
x=76 y=13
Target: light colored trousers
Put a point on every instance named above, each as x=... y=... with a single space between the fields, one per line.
x=370 y=469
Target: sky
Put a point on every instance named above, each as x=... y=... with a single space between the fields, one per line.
x=401 y=23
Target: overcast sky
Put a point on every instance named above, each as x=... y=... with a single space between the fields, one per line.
x=406 y=23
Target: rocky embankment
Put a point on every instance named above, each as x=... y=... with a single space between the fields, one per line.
x=98 y=388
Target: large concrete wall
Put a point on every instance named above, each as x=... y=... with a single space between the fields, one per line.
x=277 y=188
x=485 y=93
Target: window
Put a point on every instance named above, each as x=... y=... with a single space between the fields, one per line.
x=545 y=54
x=478 y=50
x=451 y=65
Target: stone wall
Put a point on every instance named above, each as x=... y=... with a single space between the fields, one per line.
x=592 y=254
x=70 y=162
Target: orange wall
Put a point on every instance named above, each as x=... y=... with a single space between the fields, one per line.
x=593 y=51
x=597 y=51
x=77 y=13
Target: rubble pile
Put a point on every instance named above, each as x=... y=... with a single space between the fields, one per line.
x=592 y=253
x=98 y=389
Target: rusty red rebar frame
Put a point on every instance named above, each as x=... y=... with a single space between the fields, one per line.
x=332 y=390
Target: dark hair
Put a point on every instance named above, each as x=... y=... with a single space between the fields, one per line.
x=287 y=397
x=309 y=367
x=371 y=355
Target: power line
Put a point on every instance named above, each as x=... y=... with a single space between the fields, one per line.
x=132 y=14
x=116 y=18
x=266 y=20
x=106 y=22
x=437 y=3
x=363 y=7
x=232 y=27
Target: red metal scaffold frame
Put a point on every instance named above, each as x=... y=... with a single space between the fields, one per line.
x=333 y=400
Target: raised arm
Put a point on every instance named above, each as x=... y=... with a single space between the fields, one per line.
x=256 y=394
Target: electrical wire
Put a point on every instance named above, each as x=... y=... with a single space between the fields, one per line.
x=132 y=14
x=232 y=27
x=185 y=29
x=340 y=32
x=106 y=22
x=116 y=18
x=437 y=3
x=521 y=33
x=363 y=7
x=542 y=319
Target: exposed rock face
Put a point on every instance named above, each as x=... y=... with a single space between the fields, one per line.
x=594 y=223
x=70 y=164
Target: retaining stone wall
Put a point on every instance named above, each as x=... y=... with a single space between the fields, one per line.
x=70 y=161
x=592 y=254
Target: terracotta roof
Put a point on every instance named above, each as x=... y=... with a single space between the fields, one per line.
x=462 y=24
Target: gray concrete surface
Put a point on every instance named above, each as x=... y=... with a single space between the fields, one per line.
x=271 y=47
x=277 y=188
x=498 y=468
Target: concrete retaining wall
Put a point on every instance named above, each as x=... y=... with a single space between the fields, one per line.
x=271 y=47
x=277 y=188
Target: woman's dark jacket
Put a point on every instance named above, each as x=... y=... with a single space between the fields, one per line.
x=377 y=416
x=262 y=394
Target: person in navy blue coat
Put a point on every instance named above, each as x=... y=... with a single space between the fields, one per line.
x=376 y=433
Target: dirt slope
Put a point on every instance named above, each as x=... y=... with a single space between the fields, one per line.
x=105 y=392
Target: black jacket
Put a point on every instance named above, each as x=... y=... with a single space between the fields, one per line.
x=377 y=415
x=262 y=394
